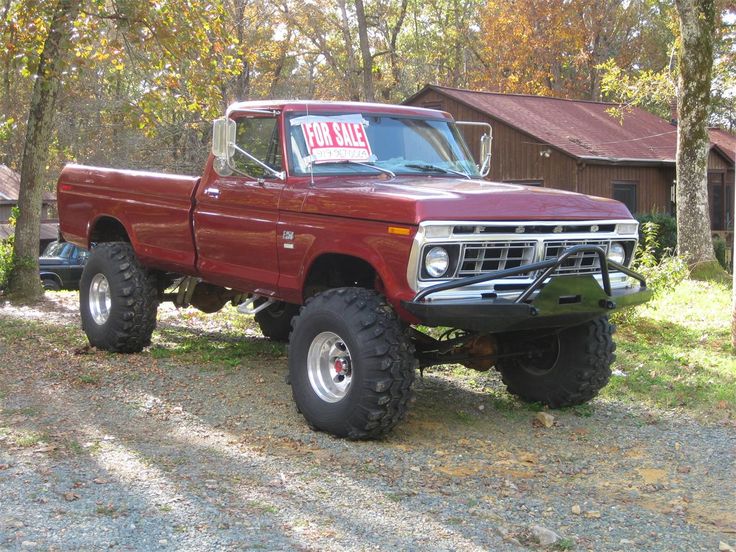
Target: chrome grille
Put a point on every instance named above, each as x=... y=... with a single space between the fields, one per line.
x=477 y=258
x=584 y=262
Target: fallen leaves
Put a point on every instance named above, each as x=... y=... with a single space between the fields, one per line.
x=71 y=497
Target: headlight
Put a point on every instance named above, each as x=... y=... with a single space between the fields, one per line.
x=617 y=253
x=437 y=261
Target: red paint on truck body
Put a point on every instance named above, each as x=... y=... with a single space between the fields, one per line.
x=236 y=238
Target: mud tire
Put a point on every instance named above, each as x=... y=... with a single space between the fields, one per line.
x=382 y=360
x=133 y=298
x=576 y=366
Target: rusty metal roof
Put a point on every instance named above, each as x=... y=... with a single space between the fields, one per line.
x=725 y=141
x=582 y=129
x=49 y=230
x=9 y=183
x=10 y=186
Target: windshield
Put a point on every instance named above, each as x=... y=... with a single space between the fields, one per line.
x=57 y=249
x=364 y=143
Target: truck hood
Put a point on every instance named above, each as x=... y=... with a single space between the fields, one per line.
x=411 y=200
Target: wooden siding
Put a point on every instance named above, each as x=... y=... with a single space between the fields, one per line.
x=717 y=162
x=653 y=184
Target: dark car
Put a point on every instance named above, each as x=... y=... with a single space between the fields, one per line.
x=61 y=265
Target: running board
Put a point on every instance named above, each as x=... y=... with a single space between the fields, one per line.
x=247 y=306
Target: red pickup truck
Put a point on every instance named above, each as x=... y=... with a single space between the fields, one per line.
x=364 y=235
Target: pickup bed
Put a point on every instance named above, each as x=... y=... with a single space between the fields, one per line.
x=364 y=235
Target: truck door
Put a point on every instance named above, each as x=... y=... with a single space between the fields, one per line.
x=235 y=216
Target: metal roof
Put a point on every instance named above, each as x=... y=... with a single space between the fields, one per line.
x=725 y=141
x=10 y=186
x=582 y=129
x=49 y=231
x=9 y=183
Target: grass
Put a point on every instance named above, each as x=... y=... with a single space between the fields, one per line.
x=676 y=351
x=564 y=544
x=226 y=348
x=89 y=379
x=28 y=438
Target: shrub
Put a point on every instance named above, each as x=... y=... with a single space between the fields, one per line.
x=666 y=235
x=6 y=257
x=6 y=252
x=662 y=273
x=719 y=249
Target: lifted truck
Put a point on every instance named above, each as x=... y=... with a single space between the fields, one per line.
x=349 y=230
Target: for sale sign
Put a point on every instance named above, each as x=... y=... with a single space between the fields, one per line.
x=333 y=139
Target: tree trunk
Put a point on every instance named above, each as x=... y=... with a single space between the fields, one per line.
x=24 y=282
x=697 y=27
x=349 y=53
x=365 y=52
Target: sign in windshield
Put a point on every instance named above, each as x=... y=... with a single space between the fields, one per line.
x=335 y=139
x=363 y=142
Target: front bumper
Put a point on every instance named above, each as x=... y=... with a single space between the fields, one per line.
x=548 y=302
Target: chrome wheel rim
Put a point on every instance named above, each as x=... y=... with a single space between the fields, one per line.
x=99 y=299
x=329 y=366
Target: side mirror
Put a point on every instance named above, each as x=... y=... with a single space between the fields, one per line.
x=485 y=153
x=223 y=137
x=223 y=144
x=484 y=159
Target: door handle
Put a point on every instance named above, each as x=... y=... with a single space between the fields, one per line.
x=212 y=192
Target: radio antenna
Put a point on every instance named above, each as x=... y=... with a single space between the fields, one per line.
x=311 y=162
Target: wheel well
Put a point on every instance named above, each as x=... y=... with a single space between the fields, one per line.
x=334 y=270
x=50 y=276
x=108 y=229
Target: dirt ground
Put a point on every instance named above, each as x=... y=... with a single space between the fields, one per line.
x=195 y=445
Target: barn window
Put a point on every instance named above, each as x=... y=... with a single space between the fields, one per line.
x=625 y=192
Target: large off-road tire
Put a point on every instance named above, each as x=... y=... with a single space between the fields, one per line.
x=564 y=368
x=275 y=321
x=351 y=365
x=118 y=299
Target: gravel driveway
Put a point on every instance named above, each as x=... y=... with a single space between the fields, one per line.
x=193 y=451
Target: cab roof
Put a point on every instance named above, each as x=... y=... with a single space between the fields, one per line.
x=338 y=107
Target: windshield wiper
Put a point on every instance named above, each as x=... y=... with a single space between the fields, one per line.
x=361 y=163
x=434 y=168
